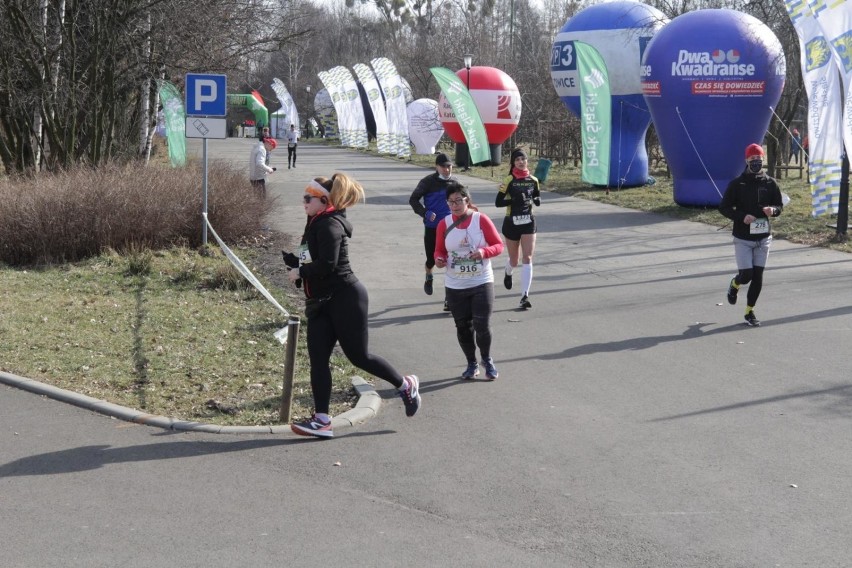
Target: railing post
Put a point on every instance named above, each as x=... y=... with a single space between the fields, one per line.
x=289 y=368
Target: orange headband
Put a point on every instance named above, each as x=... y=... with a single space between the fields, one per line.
x=315 y=189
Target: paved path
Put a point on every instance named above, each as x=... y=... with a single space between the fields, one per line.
x=636 y=421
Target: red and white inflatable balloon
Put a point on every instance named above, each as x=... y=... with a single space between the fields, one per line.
x=499 y=103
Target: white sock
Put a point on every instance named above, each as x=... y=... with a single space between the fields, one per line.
x=324 y=418
x=509 y=268
x=526 y=278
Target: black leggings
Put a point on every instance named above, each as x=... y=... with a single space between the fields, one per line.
x=343 y=319
x=429 y=238
x=755 y=276
x=471 y=309
x=291 y=155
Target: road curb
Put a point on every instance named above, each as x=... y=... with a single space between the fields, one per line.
x=367 y=407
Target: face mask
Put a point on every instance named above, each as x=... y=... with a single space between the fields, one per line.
x=443 y=177
x=754 y=166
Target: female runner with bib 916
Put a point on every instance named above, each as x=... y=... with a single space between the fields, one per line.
x=518 y=194
x=466 y=240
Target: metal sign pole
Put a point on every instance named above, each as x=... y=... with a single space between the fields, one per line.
x=204 y=198
x=843 y=206
x=206 y=96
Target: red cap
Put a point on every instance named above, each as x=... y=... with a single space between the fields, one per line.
x=753 y=151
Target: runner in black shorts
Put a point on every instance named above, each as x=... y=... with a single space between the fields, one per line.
x=518 y=193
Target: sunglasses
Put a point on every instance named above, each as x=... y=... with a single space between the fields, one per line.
x=308 y=198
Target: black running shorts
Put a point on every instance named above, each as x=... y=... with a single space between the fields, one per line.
x=513 y=232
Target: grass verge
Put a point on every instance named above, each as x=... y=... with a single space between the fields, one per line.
x=174 y=333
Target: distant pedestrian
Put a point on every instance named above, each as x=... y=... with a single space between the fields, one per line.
x=750 y=201
x=795 y=146
x=259 y=167
x=518 y=193
x=467 y=240
x=336 y=304
x=292 y=143
x=429 y=200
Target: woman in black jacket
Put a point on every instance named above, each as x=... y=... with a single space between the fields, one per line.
x=750 y=200
x=336 y=301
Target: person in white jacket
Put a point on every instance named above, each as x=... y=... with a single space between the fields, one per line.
x=258 y=168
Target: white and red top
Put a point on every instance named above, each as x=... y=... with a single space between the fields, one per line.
x=475 y=232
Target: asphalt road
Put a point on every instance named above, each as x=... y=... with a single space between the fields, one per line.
x=636 y=421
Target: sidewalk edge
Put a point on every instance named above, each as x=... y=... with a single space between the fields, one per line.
x=368 y=405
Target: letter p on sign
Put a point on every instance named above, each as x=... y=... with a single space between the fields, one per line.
x=206 y=95
x=205 y=92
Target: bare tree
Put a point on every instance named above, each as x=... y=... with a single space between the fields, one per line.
x=78 y=82
x=87 y=68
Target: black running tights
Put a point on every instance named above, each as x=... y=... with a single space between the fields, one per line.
x=429 y=237
x=343 y=319
x=755 y=276
x=471 y=309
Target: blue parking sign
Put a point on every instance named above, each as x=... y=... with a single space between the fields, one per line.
x=206 y=95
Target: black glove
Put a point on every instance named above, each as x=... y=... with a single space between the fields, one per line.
x=274 y=169
x=537 y=201
x=290 y=259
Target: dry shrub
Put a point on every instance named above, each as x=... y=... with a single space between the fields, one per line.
x=226 y=277
x=139 y=261
x=77 y=214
